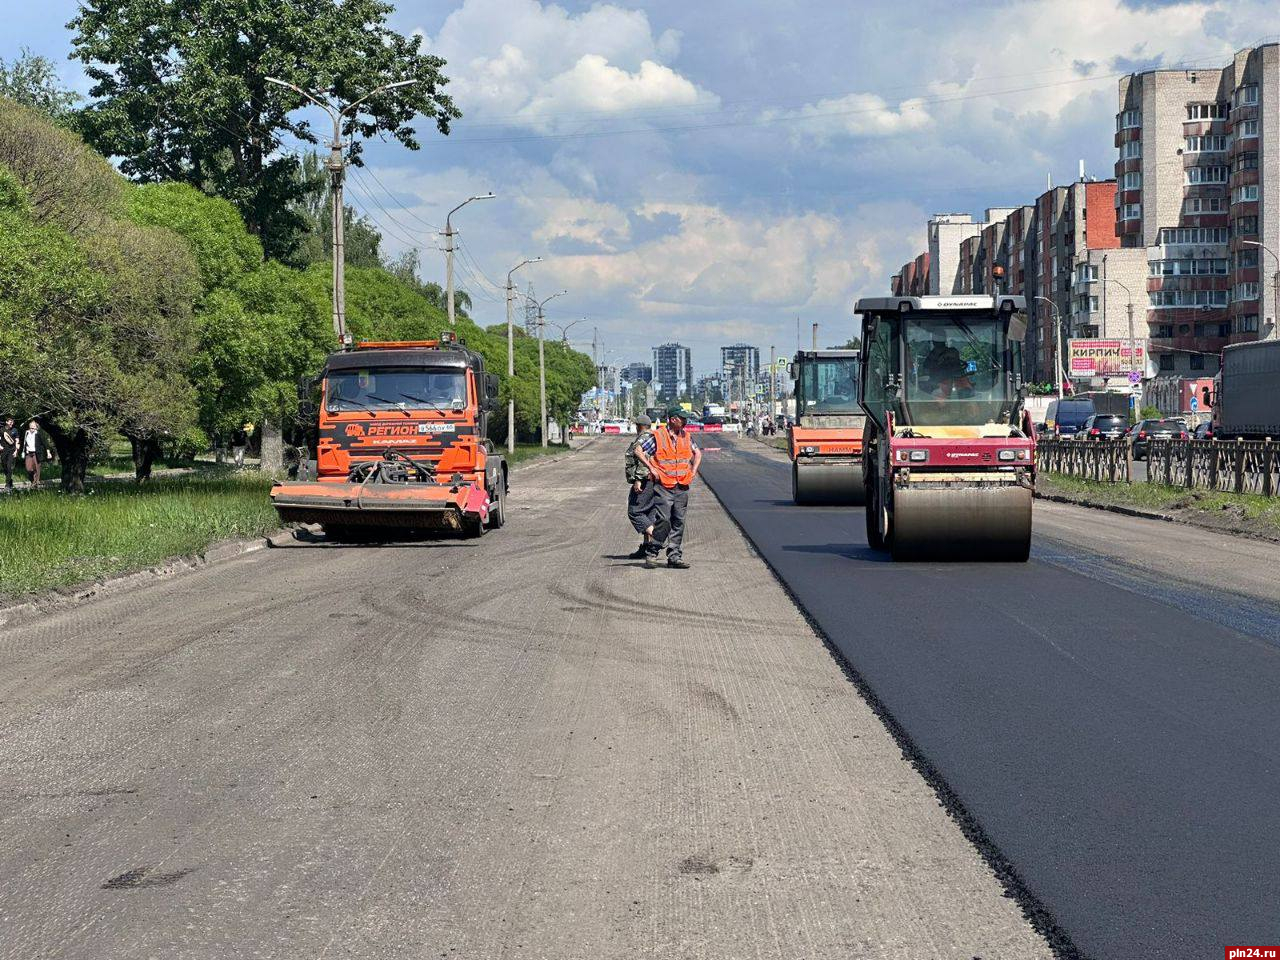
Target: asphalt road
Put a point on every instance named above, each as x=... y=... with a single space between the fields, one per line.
x=523 y=747
x=1104 y=713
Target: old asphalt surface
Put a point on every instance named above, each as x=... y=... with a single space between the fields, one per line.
x=1104 y=715
x=528 y=747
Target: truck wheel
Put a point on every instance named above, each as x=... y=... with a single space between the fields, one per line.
x=498 y=506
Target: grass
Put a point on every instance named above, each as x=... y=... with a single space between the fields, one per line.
x=48 y=539
x=1254 y=509
x=528 y=451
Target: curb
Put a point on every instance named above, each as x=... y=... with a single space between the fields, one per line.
x=1162 y=517
x=217 y=552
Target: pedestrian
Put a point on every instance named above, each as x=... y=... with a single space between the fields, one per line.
x=640 y=487
x=34 y=450
x=673 y=459
x=10 y=444
x=239 y=440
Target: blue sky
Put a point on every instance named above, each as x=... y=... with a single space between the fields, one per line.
x=709 y=171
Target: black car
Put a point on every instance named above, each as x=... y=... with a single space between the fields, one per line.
x=1144 y=431
x=1103 y=426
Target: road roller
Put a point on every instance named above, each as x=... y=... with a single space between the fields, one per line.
x=949 y=453
x=825 y=442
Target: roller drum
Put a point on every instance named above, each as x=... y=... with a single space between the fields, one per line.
x=974 y=523
x=815 y=483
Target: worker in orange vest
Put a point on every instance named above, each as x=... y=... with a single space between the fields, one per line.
x=673 y=459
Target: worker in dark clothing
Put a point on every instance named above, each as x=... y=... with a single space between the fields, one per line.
x=640 y=488
x=673 y=459
x=10 y=443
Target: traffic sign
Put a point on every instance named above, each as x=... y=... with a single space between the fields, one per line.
x=1194 y=403
x=1135 y=377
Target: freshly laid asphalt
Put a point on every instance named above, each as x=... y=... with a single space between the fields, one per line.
x=1107 y=729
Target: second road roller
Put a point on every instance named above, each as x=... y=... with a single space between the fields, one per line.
x=825 y=443
x=949 y=455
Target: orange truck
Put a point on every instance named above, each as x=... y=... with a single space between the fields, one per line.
x=825 y=442
x=401 y=443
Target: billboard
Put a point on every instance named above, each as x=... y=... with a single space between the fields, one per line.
x=1104 y=358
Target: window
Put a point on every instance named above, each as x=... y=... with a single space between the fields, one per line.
x=1247 y=94
x=1244 y=161
x=1224 y=329
x=1164 y=330
x=1206 y=111
x=1245 y=194
x=1188 y=298
x=395 y=388
x=1188 y=268
x=1194 y=205
x=1131 y=181
x=1249 y=323
x=1215 y=173
x=1131 y=211
x=1246 y=226
x=1246 y=291
x=1210 y=143
x=1197 y=361
x=1247 y=129
x=1246 y=258
x=1086 y=272
x=1166 y=362
x=1130 y=149
x=1194 y=235
x=1129 y=119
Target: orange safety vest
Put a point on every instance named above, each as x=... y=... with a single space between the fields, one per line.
x=673 y=457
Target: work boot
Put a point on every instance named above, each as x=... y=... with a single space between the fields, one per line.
x=650 y=561
x=640 y=553
x=678 y=563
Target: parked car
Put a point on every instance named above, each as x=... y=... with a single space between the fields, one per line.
x=1204 y=430
x=1065 y=417
x=1144 y=431
x=1103 y=426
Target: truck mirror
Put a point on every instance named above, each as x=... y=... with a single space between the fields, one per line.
x=491 y=385
x=1018 y=327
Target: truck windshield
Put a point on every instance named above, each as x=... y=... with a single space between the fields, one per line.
x=396 y=388
x=828 y=385
x=959 y=369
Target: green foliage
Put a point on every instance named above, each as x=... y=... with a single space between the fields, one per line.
x=1150 y=412
x=215 y=234
x=180 y=92
x=33 y=81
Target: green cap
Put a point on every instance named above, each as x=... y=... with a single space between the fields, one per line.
x=681 y=412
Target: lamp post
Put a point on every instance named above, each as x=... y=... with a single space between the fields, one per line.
x=542 y=367
x=511 y=360
x=1133 y=354
x=565 y=328
x=337 y=167
x=1275 y=280
x=1057 y=343
x=448 y=248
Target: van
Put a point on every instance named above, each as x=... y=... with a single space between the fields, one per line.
x=1065 y=417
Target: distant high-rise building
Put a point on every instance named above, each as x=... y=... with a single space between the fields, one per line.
x=742 y=360
x=672 y=370
x=637 y=373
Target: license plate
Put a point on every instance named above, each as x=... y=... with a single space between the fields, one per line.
x=437 y=427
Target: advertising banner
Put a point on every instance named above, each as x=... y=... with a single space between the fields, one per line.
x=1104 y=358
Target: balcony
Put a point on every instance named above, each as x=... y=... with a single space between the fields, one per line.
x=1189 y=343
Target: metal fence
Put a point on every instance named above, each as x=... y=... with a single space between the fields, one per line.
x=1230 y=466
x=1104 y=460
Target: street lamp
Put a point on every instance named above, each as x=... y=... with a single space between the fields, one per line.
x=1275 y=280
x=511 y=360
x=1058 y=372
x=1133 y=352
x=448 y=248
x=565 y=328
x=336 y=166
x=542 y=366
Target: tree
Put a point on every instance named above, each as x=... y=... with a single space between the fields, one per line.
x=181 y=92
x=33 y=81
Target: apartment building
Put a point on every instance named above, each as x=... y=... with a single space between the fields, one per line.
x=637 y=373
x=1199 y=193
x=672 y=371
x=913 y=279
x=742 y=361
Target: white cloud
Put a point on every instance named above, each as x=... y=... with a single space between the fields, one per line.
x=853 y=115
x=549 y=70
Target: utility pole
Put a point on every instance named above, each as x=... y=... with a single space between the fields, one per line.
x=1057 y=343
x=511 y=359
x=771 y=384
x=1133 y=349
x=337 y=168
x=542 y=369
x=815 y=335
x=448 y=248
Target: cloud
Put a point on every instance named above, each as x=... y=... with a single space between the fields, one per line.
x=853 y=115
x=548 y=70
